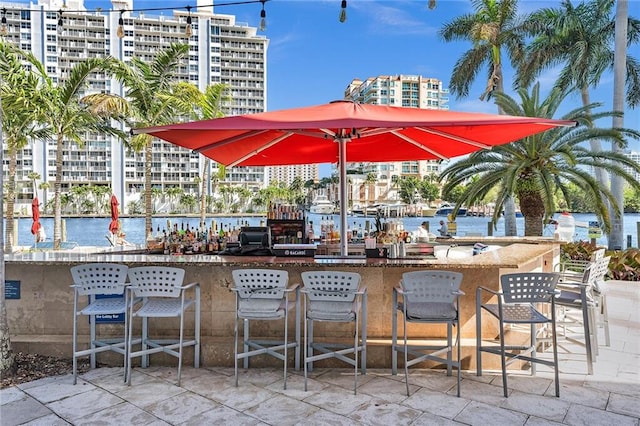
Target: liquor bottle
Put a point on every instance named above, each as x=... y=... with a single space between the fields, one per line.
x=323 y=230
x=165 y=243
x=310 y=235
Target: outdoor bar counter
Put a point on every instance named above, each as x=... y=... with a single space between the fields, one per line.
x=40 y=318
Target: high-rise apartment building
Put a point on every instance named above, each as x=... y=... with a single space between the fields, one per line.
x=635 y=156
x=410 y=91
x=287 y=174
x=221 y=50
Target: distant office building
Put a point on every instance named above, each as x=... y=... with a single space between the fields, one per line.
x=410 y=91
x=635 y=156
x=221 y=51
x=287 y=174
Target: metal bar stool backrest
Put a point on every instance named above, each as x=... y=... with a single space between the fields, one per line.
x=598 y=271
x=156 y=281
x=99 y=278
x=331 y=291
x=260 y=290
x=430 y=286
x=528 y=287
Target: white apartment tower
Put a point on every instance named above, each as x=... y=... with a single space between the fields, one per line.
x=410 y=91
x=221 y=51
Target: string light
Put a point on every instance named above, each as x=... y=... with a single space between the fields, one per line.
x=263 y=18
x=120 y=33
x=120 y=30
x=432 y=4
x=343 y=11
x=189 y=30
x=3 y=23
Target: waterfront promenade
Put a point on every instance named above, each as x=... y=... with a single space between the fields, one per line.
x=611 y=396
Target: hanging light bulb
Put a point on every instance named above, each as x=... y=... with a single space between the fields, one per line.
x=60 y=21
x=189 y=30
x=3 y=23
x=432 y=4
x=343 y=11
x=263 y=17
x=120 y=31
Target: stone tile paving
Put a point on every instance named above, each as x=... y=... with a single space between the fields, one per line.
x=208 y=395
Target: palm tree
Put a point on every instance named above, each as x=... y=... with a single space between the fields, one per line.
x=579 y=38
x=174 y=193
x=538 y=167
x=189 y=201
x=80 y=194
x=19 y=119
x=99 y=193
x=210 y=105
x=491 y=29
x=619 y=66
x=152 y=98
x=156 y=194
x=67 y=118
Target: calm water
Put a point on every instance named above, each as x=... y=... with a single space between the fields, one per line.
x=92 y=231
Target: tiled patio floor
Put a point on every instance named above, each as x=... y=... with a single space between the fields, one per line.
x=611 y=396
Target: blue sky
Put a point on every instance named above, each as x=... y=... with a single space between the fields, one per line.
x=312 y=57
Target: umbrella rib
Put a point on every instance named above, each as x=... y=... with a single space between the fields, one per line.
x=229 y=140
x=454 y=137
x=259 y=150
x=419 y=145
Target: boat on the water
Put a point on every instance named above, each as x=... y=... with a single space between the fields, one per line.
x=429 y=211
x=446 y=209
x=322 y=205
x=370 y=210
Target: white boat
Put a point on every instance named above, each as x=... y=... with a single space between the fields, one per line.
x=322 y=206
x=429 y=211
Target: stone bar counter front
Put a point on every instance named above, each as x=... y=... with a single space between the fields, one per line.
x=41 y=317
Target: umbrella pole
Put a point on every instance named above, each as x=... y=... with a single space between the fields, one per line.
x=342 y=169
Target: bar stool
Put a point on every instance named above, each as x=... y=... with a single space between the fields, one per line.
x=263 y=295
x=427 y=297
x=163 y=295
x=519 y=292
x=104 y=285
x=335 y=296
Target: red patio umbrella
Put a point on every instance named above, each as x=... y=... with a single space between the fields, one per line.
x=345 y=131
x=113 y=226
x=35 y=214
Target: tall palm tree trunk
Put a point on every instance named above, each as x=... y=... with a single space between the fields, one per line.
x=148 y=157
x=510 y=226
x=6 y=354
x=594 y=144
x=203 y=194
x=57 y=209
x=11 y=201
x=619 y=71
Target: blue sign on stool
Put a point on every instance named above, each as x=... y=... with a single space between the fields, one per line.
x=109 y=318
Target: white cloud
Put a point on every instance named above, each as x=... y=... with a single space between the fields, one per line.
x=393 y=20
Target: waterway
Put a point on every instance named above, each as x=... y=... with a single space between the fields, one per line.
x=92 y=231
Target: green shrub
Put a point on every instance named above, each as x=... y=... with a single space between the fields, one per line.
x=624 y=264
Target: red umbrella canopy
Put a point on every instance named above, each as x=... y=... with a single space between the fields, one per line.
x=113 y=226
x=35 y=213
x=345 y=131
x=375 y=133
